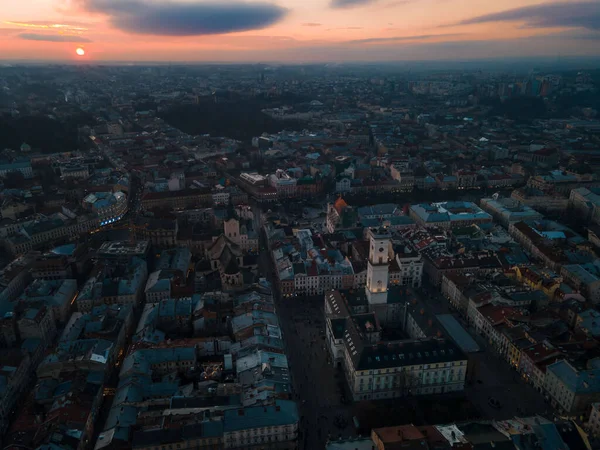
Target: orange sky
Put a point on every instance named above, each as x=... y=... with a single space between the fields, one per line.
x=296 y=30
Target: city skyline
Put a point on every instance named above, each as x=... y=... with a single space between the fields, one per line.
x=295 y=31
x=272 y=254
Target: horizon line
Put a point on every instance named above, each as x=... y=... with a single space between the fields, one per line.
x=552 y=59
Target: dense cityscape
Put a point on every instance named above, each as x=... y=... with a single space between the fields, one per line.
x=317 y=256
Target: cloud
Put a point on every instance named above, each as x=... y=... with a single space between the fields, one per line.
x=186 y=19
x=339 y=4
x=574 y=34
x=47 y=24
x=345 y=28
x=311 y=24
x=402 y=38
x=52 y=37
x=395 y=4
x=575 y=14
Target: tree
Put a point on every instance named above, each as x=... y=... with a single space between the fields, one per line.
x=14 y=180
x=48 y=177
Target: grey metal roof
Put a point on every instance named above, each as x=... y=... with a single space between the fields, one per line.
x=458 y=334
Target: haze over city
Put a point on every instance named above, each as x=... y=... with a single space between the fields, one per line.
x=299 y=225
x=296 y=30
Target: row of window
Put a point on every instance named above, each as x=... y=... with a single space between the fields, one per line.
x=428 y=377
x=429 y=390
x=266 y=430
x=210 y=443
x=415 y=367
x=560 y=393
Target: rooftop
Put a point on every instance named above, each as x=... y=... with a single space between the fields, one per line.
x=405 y=353
x=123 y=248
x=458 y=334
x=449 y=212
x=579 y=381
x=510 y=208
x=283 y=412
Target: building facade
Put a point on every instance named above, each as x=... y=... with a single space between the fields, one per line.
x=572 y=390
x=403 y=368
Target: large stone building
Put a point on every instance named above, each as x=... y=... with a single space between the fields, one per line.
x=540 y=200
x=585 y=278
x=424 y=364
x=594 y=421
x=572 y=390
x=508 y=210
x=410 y=266
x=397 y=369
x=15 y=369
x=160 y=232
x=389 y=369
x=550 y=242
x=448 y=214
x=110 y=207
x=186 y=198
x=585 y=203
x=274 y=426
x=241 y=232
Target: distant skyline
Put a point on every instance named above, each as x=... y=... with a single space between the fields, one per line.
x=296 y=30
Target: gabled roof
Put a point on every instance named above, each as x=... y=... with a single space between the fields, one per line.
x=219 y=245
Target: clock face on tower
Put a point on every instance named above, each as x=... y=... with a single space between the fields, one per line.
x=380 y=249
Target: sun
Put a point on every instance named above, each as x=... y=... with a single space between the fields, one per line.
x=80 y=51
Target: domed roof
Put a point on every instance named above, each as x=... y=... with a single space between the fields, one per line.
x=340 y=204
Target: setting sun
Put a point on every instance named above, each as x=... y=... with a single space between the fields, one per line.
x=80 y=51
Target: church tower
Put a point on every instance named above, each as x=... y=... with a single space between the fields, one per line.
x=232 y=229
x=378 y=267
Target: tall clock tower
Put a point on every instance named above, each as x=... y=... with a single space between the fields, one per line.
x=378 y=268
